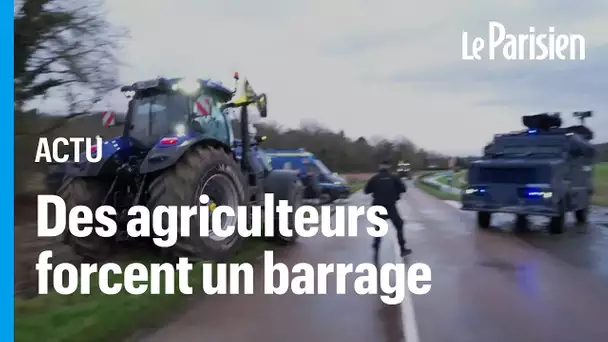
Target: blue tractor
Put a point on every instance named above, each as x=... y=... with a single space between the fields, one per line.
x=177 y=145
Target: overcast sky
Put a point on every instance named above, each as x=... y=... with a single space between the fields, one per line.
x=382 y=67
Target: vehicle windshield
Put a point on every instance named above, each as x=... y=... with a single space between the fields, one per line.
x=322 y=167
x=156 y=114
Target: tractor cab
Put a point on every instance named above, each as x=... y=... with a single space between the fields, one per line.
x=165 y=112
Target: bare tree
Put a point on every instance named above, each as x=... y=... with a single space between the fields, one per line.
x=64 y=49
x=67 y=46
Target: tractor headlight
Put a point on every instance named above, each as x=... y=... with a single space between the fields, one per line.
x=180 y=130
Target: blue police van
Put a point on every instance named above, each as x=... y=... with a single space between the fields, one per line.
x=332 y=185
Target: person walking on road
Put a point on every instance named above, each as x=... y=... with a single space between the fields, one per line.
x=386 y=190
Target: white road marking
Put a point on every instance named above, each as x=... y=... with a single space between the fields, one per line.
x=408 y=317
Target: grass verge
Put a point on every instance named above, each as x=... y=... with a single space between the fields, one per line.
x=355 y=186
x=458 y=181
x=434 y=191
x=600 y=174
x=98 y=317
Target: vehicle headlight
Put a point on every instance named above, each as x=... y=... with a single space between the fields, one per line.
x=180 y=130
x=543 y=194
x=531 y=192
x=475 y=190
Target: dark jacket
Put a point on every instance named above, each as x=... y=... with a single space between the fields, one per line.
x=312 y=186
x=385 y=187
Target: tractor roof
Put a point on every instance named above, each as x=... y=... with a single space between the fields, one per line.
x=168 y=82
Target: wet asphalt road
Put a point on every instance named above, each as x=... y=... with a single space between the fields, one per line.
x=487 y=286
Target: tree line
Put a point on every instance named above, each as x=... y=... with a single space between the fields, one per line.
x=344 y=154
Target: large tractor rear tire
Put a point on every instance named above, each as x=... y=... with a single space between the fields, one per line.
x=89 y=192
x=202 y=170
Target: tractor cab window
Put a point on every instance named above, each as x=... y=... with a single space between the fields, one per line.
x=213 y=122
x=155 y=114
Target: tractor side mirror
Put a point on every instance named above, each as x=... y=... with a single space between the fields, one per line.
x=262 y=104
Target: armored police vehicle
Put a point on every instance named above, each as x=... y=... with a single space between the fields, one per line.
x=544 y=170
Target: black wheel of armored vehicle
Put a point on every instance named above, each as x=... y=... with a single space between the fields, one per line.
x=521 y=224
x=581 y=215
x=89 y=192
x=484 y=219
x=557 y=223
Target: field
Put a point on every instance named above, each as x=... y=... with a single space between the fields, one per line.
x=600 y=174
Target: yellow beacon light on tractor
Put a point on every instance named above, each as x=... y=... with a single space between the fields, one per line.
x=244 y=95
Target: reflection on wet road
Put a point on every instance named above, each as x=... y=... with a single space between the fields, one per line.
x=487 y=286
x=582 y=246
x=496 y=286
